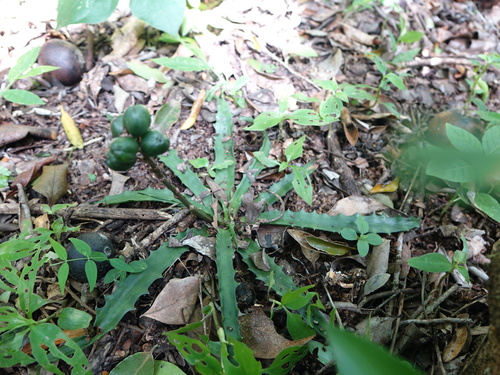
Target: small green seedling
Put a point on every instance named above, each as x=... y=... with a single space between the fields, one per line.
x=364 y=238
x=4 y=177
x=436 y=262
x=23 y=69
x=301 y=181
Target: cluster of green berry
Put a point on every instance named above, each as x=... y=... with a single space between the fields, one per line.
x=122 y=153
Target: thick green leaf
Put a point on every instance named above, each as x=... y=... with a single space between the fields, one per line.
x=238 y=359
x=84 y=11
x=285 y=361
x=488 y=205
x=91 y=272
x=491 y=141
x=295 y=149
x=227 y=285
x=45 y=335
x=168 y=115
x=297 y=327
x=23 y=64
x=463 y=141
x=146 y=195
x=136 y=364
x=10 y=355
x=296 y=299
x=224 y=148
x=167 y=368
x=314 y=220
x=164 y=15
x=265 y=120
x=146 y=72
x=70 y=318
x=302 y=183
x=357 y=356
x=196 y=353
x=432 y=262
x=22 y=97
x=135 y=285
x=396 y=81
x=184 y=64
x=406 y=56
x=452 y=169
x=411 y=37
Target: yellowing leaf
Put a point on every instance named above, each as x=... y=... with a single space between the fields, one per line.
x=330 y=247
x=386 y=188
x=71 y=130
x=195 y=110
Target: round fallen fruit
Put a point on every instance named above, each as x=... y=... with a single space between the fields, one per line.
x=436 y=133
x=154 y=143
x=136 y=119
x=98 y=243
x=67 y=57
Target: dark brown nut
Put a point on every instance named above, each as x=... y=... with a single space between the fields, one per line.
x=69 y=58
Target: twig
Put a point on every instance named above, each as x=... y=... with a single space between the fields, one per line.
x=428 y=322
x=287 y=67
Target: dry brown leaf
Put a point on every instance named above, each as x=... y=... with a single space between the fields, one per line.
x=11 y=132
x=52 y=183
x=356 y=204
x=176 y=302
x=350 y=130
x=308 y=251
x=259 y=334
x=127 y=38
x=461 y=336
x=358 y=35
x=71 y=130
x=30 y=174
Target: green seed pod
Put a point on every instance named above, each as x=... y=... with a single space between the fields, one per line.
x=154 y=143
x=136 y=119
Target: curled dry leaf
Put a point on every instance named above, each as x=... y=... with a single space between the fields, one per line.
x=312 y=247
x=27 y=176
x=350 y=130
x=52 y=183
x=389 y=187
x=195 y=110
x=127 y=38
x=460 y=341
x=11 y=133
x=259 y=334
x=176 y=302
x=356 y=204
x=71 y=130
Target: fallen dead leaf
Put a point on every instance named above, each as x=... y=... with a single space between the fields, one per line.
x=259 y=334
x=176 y=302
x=52 y=183
x=195 y=110
x=71 y=130
x=356 y=204
x=25 y=177
x=11 y=133
x=461 y=337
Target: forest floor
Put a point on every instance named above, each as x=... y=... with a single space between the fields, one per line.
x=283 y=35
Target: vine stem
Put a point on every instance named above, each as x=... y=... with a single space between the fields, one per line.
x=164 y=179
